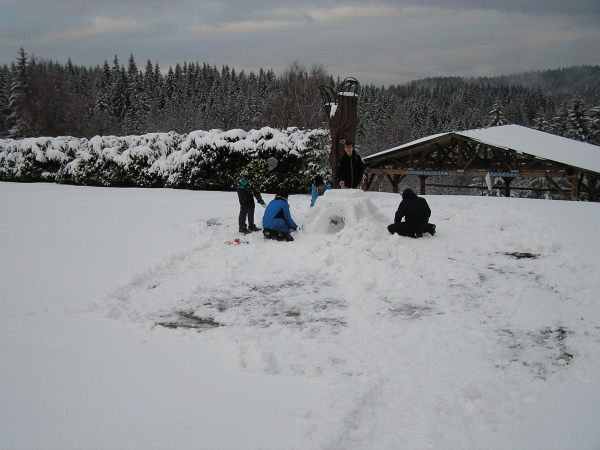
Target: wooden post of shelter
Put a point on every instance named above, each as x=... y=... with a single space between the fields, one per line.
x=507 y=182
x=342 y=115
x=422 y=178
x=575 y=186
x=591 y=187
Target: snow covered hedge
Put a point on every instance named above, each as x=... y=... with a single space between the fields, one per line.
x=207 y=160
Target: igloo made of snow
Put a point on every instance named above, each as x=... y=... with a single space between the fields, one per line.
x=339 y=208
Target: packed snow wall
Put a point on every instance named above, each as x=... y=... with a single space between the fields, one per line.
x=340 y=208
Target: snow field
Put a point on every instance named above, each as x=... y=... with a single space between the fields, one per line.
x=435 y=341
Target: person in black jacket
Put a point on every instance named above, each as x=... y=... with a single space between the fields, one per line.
x=351 y=168
x=416 y=214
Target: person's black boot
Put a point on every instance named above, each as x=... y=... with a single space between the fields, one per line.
x=244 y=230
x=430 y=229
x=269 y=234
x=286 y=237
x=252 y=228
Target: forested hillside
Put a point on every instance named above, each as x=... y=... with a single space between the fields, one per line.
x=47 y=98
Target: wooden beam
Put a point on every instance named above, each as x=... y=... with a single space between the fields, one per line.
x=501 y=157
x=395 y=181
x=415 y=165
x=374 y=185
x=591 y=187
x=560 y=190
x=368 y=180
x=467 y=173
x=507 y=182
x=475 y=154
x=422 y=178
x=574 y=186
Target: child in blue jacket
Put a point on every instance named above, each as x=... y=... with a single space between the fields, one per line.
x=318 y=189
x=277 y=220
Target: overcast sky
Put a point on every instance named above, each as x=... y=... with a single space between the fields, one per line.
x=382 y=42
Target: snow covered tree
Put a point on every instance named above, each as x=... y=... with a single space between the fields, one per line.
x=117 y=91
x=17 y=120
x=595 y=125
x=496 y=115
x=541 y=123
x=4 y=99
x=578 y=120
x=104 y=121
x=560 y=122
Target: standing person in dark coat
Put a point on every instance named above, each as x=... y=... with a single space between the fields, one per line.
x=351 y=168
x=251 y=180
x=416 y=213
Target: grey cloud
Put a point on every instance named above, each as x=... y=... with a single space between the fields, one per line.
x=408 y=40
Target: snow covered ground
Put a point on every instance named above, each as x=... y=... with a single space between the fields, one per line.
x=345 y=338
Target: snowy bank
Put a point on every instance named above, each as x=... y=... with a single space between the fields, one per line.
x=205 y=160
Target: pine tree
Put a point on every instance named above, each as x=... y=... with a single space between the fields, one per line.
x=103 y=121
x=540 y=122
x=137 y=112
x=4 y=99
x=118 y=95
x=595 y=125
x=103 y=88
x=578 y=120
x=496 y=115
x=560 y=122
x=17 y=120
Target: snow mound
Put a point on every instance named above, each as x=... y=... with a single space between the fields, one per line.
x=337 y=209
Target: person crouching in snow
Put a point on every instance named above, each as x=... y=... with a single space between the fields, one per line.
x=416 y=212
x=251 y=180
x=318 y=189
x=277 y=220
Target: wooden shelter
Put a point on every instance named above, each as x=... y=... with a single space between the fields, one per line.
x=508 y=152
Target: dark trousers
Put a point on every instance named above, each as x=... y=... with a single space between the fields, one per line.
x=403 y=229
x=246 y=208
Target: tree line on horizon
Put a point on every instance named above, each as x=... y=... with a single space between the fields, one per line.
x=45 y=98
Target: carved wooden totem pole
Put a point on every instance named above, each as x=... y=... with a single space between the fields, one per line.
x=341 y=109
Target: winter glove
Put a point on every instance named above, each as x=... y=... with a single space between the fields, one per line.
x=262 y=203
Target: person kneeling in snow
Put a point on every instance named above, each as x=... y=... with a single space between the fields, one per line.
x=277 y=220
x=416 y=212
x=318 y=189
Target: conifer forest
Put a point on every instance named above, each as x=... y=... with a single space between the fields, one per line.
x=41 y=97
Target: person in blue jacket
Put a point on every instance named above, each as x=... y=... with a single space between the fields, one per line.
x=318 y=189
x=277 y=220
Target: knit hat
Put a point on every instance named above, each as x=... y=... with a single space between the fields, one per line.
x=272 y=162
x=282 y=194
x=319 y=180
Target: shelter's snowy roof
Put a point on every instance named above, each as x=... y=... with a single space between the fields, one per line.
x=538 y=143
x=524 y=140
x=415 y=143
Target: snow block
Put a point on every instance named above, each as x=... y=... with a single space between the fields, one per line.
x=340 y=208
